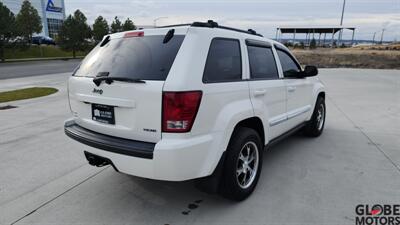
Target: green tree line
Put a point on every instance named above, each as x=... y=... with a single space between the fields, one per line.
x=75 y=34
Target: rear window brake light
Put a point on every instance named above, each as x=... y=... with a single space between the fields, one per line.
x=134 y=34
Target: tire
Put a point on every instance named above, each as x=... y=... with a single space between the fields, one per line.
x=315 y=125
x=233 y=186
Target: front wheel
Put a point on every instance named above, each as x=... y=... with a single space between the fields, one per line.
x=315 y=125
x=243 y=164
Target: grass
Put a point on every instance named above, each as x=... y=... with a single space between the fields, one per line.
x=391 y=47
x=26 y=93
x=35 y=52
x=358 y=57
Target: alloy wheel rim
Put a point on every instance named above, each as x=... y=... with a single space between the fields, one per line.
x=320 y=116
x=247 y=165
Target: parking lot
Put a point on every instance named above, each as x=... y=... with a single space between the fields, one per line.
x=45 y=179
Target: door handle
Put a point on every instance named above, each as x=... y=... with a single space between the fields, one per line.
x=291 y=89
x=260 y=92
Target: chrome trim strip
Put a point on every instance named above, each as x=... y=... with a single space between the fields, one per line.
x=287 y=116
x=298 y=112
x=278 y=120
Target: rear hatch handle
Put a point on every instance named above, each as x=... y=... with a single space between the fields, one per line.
x=110 y=80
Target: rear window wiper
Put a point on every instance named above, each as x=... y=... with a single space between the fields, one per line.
x=168 y=36
x=110 y=80
x=105 y=41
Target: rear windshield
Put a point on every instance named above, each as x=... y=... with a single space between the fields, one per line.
x=146 y=58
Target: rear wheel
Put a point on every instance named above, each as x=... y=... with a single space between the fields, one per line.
x=316 y=124
x=242 y=165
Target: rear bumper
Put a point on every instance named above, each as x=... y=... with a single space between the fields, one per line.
x=172 y=159
x=109 y=143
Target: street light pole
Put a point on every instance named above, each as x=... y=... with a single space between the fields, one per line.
x=383 y=31
x=344 y=5
x=341 y=22
x=158 y=18
x=373 y=39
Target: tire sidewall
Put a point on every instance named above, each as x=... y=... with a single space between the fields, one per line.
x=311 y=129
x=239 y=139
x=320 y=102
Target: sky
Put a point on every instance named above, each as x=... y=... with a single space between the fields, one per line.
x=368 y=16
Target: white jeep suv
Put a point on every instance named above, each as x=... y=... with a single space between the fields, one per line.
x=191 y=101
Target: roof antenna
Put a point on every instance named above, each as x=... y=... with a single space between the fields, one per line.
x=212 y=23
x=251 y=31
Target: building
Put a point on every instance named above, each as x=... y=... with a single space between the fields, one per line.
x=51 y=12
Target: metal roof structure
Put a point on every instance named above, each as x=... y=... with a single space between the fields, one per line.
x=321 y=30
x=313 y=31
x=209 y=24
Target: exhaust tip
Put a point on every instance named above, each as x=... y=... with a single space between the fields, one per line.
x=98 y=161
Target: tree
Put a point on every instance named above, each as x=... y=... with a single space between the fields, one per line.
x=116 y=25
x=74 y=33
x=7 y=28
x=313 y=44
x=100 y=29
x=28 y=21
x=128 y=25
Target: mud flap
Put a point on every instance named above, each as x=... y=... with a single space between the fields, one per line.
x=211 y=183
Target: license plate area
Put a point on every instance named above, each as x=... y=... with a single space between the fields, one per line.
x=103 y=113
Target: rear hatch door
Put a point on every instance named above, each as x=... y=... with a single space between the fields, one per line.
x=117 y=89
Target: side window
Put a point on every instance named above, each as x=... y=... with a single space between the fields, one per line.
x=289 y=66
x=224 y=62
x=262 y=63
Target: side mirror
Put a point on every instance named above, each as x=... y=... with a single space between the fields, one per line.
x=310 y=71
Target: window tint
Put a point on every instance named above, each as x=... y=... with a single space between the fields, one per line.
x=289 y=66
x=223 y=62
x=262 y=63
x=146 y=58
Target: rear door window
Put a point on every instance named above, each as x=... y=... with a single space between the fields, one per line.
x=224 y=62
x=146 y=58
x=262 y=63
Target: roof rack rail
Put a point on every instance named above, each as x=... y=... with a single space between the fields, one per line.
x=213 y=24
x=175 y=25
x=209 y=23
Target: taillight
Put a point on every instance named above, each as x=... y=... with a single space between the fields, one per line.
x=179 y=110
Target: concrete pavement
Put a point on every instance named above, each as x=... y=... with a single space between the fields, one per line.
x=45 y=179
x=36 y=68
